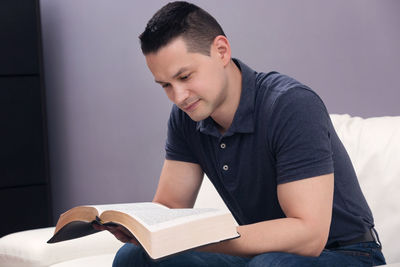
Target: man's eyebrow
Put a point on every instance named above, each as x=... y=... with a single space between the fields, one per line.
x=179 y=72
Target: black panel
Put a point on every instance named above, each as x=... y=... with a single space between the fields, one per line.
x=21 y=136
x=23 y=208
x=24 y=181
x=19 y=37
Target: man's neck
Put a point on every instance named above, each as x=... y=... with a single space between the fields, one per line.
x=225 y=113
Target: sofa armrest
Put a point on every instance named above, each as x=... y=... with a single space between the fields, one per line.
x=29 y=248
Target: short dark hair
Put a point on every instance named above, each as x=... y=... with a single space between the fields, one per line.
x=180 y=19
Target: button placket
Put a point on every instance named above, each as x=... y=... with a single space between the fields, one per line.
x=222 y=146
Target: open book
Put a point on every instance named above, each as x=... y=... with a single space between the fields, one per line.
x=160 y=230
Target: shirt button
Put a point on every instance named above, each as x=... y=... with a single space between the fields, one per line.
x=225 y=167
x=223 y=145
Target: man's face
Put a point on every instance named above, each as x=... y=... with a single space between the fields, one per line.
x=196 y=83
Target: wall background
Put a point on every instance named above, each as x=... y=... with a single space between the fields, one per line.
x=107 y=118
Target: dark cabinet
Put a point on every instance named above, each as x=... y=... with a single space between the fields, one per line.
x=25 y=198
x=25 y=207
x=19 y=35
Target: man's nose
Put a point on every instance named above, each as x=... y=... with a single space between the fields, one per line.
x=181 y=94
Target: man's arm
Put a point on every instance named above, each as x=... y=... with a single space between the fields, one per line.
x=179 y=184
x=307 y=204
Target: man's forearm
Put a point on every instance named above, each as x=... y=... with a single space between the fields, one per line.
x=290 y=235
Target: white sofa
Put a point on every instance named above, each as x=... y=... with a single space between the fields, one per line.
x=373 y=145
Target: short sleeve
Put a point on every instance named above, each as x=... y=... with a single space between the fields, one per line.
x=301 y=131
x=177 y=147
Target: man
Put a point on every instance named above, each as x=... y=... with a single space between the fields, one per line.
x=267 y=144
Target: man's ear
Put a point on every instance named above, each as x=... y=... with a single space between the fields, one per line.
x=222 y=48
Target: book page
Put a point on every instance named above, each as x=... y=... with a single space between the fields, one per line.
x=161 y=216
x=130 y=208
x=149 y=213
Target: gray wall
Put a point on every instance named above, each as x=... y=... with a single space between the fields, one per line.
x=107 y=117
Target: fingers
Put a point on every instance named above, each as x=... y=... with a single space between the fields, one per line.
x=125 y=231
x=99 y=227
x=122 y=234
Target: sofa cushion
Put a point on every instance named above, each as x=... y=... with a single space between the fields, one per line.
x=29 y=248
x=104 y=260
x=373 y=145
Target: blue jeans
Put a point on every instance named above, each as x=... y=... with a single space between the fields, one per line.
x=361 y=254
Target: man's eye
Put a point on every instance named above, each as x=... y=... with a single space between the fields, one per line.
x=165 y=85
x=185 y=77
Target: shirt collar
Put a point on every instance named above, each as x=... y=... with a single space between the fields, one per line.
x=243 y=120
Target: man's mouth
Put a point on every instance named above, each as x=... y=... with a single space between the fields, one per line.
x=191 y=106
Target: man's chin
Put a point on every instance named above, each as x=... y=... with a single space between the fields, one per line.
x=197 y=117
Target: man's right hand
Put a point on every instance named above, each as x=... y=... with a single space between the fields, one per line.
x=119 y=232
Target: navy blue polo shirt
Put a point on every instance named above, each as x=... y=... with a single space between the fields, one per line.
x=281 y=132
